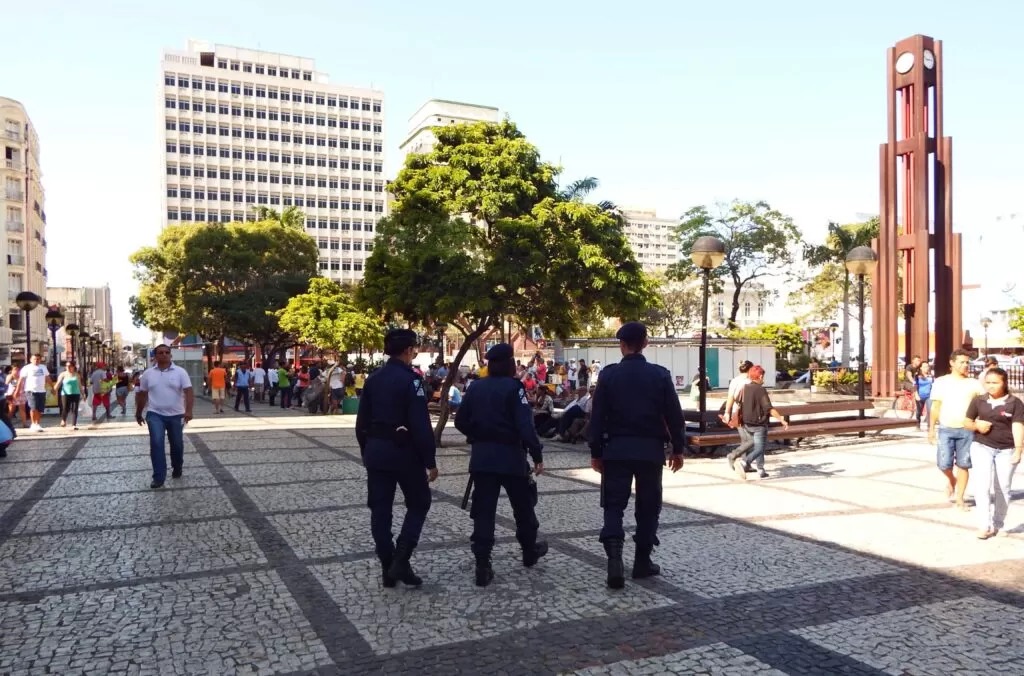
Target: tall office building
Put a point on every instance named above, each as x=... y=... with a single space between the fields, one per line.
x=439 y=112
x=652 y=239
x=24 y=249
x=244 y=128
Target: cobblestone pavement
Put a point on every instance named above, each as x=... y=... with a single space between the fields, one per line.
x=848 y=559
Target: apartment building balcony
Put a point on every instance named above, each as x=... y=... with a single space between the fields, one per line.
x=15 y=259
x=12 y=135
x=12 y=164
x=14 y=194
x=15 y=226
x=12 y=294
x=6 y=336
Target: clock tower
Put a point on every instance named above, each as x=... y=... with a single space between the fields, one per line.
x=917 y=249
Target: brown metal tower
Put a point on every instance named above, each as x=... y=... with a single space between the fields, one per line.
x=916 y=243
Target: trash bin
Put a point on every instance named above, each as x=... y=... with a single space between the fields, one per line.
x=350 y=405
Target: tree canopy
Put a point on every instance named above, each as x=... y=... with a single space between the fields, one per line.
x=678 y=309
x=759 y=242
x=326 y=316
x=222 y=279
x=478 y=230
x=829 y=289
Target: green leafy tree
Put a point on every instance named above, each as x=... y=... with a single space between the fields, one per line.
x=327 y=316
x=217 y=280
x=291 y=217
x=678 y=309
x=831 y=257
x=479 y=231
x=759 y=242
x=787 y=338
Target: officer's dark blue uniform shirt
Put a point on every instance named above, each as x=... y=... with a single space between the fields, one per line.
x=635 y=410
x=496 y=417
x=393 y=397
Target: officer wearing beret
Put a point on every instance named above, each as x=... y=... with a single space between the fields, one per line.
x=497 y=419
x=397 y=445
x=635 y=409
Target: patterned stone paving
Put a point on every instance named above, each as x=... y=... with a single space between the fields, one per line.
x=258 y=561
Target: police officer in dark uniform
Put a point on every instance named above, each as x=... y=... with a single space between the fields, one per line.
x=496 y=417
x=635 y=410
x=397 y=445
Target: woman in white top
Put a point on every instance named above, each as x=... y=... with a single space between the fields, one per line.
x=732 y=404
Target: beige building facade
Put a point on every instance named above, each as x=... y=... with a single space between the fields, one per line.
x=651 y=239
x=23 y=250
x=244 y=128
x=437 y=113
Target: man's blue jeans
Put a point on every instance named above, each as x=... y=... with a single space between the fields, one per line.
x=173 y=427
x=759 y=435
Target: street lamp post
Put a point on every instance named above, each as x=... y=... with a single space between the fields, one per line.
x=861 y=261
x=72 y=331
x=28 y=301
x=985 y=323
x=707 y=254
x=54 y=320
x=441 y=328
x=832 y=340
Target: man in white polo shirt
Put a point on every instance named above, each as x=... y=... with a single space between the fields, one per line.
x=167 y=390
x=33 y=381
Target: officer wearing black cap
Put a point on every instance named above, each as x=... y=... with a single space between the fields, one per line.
x=497 y=419
x=635 y=410
x=397 y=445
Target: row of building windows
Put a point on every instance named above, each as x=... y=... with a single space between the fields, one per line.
x=202 y=216
x=334 y=245
x=285 y=200
x=282 y=179
x=225 y=151
x=263 y=69
x=261 y=92
x=334 y=265
x=746 y=309
x=319 y=121
x=272 y=114
x=212 y=172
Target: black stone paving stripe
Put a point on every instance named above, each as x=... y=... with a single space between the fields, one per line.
x=342 y=640
x=340 y=451
x=799 y=657
x=15 y=513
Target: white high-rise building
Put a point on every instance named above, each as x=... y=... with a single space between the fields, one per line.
x=652 y=239
x=437 y=113
x=244 y=128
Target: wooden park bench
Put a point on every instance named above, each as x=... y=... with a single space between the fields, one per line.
x=805 y=429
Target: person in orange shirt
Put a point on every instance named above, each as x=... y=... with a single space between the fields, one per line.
x=218 y=384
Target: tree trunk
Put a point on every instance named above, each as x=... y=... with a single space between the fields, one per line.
x=452 y=373
x=846 y=320
x=735 y=306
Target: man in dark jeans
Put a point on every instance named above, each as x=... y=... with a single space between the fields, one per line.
x=757 y=411
x=243 y=378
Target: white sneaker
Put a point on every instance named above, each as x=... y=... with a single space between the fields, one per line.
x=37 y=427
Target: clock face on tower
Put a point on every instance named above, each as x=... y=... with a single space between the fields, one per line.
x=904 y=62
x=928 y=59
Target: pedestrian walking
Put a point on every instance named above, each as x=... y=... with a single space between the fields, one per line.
x=165 y=395
x=121 y=389
x=497 y=419
x=997 y=420
x=756 y=412
x=272 y=384
x=243 y=377
x=33 y=381
x=951 y=395
x=218 y=378
x=284 y=386
x=731 y=413
x=397 y=446
x=635 y=411
x=69 y=384
x=259 y=382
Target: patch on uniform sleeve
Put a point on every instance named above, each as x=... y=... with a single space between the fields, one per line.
x=522 y=395
x=417 y=385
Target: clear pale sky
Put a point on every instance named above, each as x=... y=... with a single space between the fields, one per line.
x=669 y=104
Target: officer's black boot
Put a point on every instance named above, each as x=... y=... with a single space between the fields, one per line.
x=533 y=553
x=616 y=570
x=484 y=572
x=385 y=562
x=400 y=569
x=642 y=564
